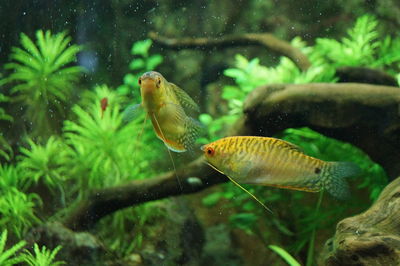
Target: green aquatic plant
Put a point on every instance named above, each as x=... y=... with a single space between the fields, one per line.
x=10 y=177
x=43 y=163
x=102 y=148
x=43 y=77
x=285 y=255
x=143 y=61
x=42 y=257
x=8 y=257
x=17 y=210
x=5 y=148
x=107 y=152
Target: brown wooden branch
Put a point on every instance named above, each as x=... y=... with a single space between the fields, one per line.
x=370 y=238
x=194 y=177
x=365 y=75
x=365 y=115
x=265 y=40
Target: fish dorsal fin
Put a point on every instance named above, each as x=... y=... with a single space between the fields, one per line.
x=289 y=146
x=184 y=99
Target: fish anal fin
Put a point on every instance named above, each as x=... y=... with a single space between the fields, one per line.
x=291 y=187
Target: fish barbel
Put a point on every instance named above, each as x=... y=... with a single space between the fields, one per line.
x=274 y=162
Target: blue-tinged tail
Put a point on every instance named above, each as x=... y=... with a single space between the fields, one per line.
x=333 y=178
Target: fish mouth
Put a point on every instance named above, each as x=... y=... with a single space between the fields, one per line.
x=148 y=85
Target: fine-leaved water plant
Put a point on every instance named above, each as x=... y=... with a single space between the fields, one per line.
x=143 y=61
x=42 y=256
x=43 y=163
x=43 y=78
x=5 y=148
x=9 y=257
x=17 y=210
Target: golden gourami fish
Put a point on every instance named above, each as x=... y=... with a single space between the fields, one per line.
x=274 y=162
x=167 y=105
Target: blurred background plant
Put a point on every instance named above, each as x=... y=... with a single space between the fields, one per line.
x=142 y=62
x=43 y=79
x=42 y=257
x=8 y=257
x=5 y=149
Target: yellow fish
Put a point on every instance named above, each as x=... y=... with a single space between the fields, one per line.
x=277 y=163
x=166 y=105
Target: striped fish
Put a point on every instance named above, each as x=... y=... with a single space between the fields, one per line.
x=277 y=163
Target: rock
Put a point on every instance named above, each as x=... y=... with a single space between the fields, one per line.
x=177 y=237
x=370 y=238
x=77 y=248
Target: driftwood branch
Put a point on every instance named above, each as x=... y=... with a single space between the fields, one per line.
x=265 y=40
x=370 y=238
x=365 y=75
x=365 y=115
x=194 y=177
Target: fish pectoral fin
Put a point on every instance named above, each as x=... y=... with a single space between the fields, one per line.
x=131 y=112
x=184 y=99
x=191 y=128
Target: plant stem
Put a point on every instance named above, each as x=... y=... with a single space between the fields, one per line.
x=310 y=251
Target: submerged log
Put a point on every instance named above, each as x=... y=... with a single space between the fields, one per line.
x=365 y=75
x=370 y=238
x=266 y=40
x=367 y=116
x=194 y=177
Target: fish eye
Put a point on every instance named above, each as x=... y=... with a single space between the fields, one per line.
x=210 y=151
x=158 y=81
x=140 y=81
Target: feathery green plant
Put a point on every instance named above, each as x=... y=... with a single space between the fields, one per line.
x=8 y=257
x=43 y=162
x=102 y=148
x=106 y=152
x=17 y=210
x=5 y=149
x=43 y=78
x=10 y=177
x=42 y=257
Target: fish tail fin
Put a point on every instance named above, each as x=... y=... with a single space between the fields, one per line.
x=333 y=179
